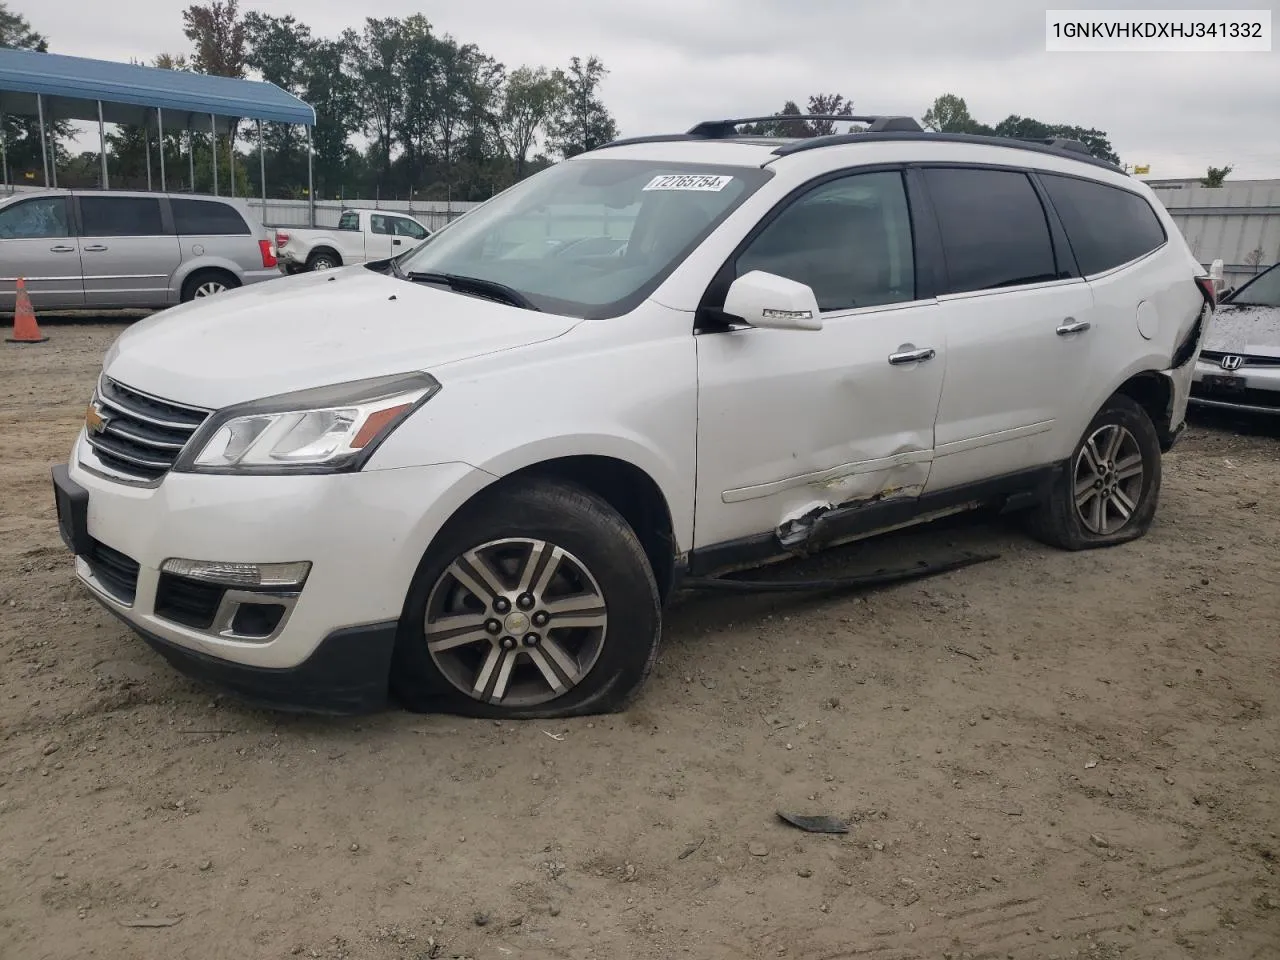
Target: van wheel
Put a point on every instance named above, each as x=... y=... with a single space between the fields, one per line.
x=323 y=260
x=207 y=283
x=1107 y=492
x=537 y=600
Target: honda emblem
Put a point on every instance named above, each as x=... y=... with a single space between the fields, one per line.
x=1231 y=362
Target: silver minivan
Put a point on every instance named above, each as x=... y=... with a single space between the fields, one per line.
x=99 y=250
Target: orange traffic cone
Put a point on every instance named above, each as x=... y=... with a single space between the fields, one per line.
x=25 y=328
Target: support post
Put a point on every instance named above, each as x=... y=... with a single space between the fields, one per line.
x=102 y=145
x=164 y=187
x=213 y=153
x=191 y=153
x=146 y=139
x=231 y=153
x=44 y=147
x=262 y=170
x=311 y=186
x=4 y=155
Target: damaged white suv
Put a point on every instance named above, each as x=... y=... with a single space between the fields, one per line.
x=471 y=476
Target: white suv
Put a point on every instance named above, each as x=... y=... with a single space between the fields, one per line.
x=472 y=475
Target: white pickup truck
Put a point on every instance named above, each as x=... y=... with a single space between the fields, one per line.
x=361 y=235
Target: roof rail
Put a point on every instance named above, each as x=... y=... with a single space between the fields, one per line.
x=1057 y=148
x=725 y=129
x=1058 y=143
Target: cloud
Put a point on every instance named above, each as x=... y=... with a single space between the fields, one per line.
x=674 y=62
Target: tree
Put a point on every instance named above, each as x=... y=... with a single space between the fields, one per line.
x=1216 y=176
x=1254 y=258
x=16 y=32
x=280 y=50
x=582 y=122
x=529 y=102
x=831 y=105
x=331 y=89
x=219 y=37
x=22 y=134
x=377 y=58
x=1029 y=129
x=950 y=114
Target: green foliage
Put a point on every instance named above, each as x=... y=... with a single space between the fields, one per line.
x=1216 y=176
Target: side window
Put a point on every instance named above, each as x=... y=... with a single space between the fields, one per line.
x=408 y=228
x=349 y=221
x=121 y=217
x=994 y=230
x=44 y=218
x=849 y=239
x=379 y=224
x=195 y=218
x=1106 y=226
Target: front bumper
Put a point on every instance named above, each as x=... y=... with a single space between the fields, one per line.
x=363 y=533
x=1247 y=389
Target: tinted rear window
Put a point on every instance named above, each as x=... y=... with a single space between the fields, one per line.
x=994 y=231
x=207 y=218
x=121 y=217
x=349 y=221
x=1106 y=226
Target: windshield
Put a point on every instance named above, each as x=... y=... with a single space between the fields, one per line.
x=1264 y=291
x=588 y=238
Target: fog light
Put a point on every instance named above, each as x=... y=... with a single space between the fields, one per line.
x=286 y=576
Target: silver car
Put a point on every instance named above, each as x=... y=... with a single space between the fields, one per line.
x=1239 y=366
x=98 y=250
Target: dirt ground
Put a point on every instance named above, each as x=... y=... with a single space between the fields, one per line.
x=1044 y=756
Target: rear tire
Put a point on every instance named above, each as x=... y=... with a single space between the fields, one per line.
x=1107 y=493
x=208 y=283
x=536 y=600
x=323 y=260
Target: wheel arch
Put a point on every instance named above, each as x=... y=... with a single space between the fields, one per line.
x=627 y=488
x=324 y=248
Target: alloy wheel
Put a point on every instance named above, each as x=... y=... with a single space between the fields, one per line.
x=210 y=287
x=516 y=622
x=1108 y=479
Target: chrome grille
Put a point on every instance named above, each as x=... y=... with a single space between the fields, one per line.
x=142 y=435
x=1246 y=359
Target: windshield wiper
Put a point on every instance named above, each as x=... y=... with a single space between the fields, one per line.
x=476 y=285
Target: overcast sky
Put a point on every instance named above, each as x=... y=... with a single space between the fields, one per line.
x=674 y=62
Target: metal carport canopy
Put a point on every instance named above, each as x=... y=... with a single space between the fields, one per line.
x=72 y=87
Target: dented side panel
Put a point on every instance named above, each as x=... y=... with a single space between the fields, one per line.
x=794 y=424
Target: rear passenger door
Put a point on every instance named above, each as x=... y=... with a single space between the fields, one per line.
x=38 y=244
x=128 y=251
x=1011 y=305
x=214 y=233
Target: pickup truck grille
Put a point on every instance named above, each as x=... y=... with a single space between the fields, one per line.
x=142 y=435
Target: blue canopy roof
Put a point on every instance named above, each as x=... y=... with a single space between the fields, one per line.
x=72 y=87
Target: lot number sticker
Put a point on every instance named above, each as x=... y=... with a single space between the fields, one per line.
x=685 y=181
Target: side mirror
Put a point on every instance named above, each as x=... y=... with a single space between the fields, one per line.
x=767 y=300
x=1215 y=272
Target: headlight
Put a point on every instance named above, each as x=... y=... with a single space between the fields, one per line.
x=324 y=430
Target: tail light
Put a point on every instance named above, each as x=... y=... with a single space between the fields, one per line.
x=268 y=254
x=281 y=239
x=1209 y=290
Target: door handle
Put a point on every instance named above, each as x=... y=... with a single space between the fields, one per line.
x=96 y=248
x=61 y=249
x=1072 y=325
x=912 y=356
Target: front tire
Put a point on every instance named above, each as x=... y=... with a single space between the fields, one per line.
x=1108 y=491
x=537 y=600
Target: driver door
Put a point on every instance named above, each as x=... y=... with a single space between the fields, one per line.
x=793 y=424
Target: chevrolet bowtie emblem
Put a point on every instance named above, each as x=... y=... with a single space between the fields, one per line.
x=94 y=420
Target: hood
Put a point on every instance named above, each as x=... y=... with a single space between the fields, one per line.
x=313 y=330
x=1244 y=330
